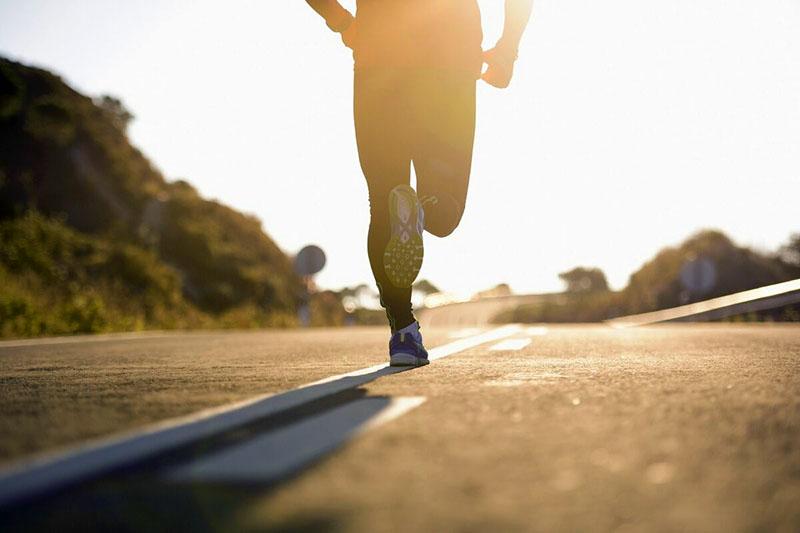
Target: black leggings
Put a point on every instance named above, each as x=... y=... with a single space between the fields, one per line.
x=424 y=116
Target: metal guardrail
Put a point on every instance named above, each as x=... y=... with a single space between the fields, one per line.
x=759 y=299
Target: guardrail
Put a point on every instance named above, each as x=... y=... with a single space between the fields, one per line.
x=759 y=299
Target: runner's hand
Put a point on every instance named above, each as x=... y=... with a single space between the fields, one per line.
x=344 y=24
x=349 y=35
x=500 y=67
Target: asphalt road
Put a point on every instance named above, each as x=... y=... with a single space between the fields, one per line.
x=664 y=428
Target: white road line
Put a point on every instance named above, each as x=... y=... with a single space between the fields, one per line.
x=94 y=458
x=277 y=454
x=104 y=337
x=510 y=345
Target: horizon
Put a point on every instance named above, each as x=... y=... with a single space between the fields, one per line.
x=741 y=138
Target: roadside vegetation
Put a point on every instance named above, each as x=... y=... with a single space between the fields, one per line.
x=94 y=239
x=57 y=281
x=706 y=265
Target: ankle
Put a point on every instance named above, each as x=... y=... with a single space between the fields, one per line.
x=406 y=327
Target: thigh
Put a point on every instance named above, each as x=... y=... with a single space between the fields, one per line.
x=444 y=110
x=382 y=129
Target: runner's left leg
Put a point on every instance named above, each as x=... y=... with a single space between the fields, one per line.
x=382 y=133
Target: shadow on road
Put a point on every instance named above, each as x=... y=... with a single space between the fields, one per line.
x=208 y=484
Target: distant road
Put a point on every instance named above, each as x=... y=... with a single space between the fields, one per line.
x=579 y=428
x=478 y=313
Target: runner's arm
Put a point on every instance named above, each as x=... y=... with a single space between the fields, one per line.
x=501 y=58
x=336 y=17
x=517 y=15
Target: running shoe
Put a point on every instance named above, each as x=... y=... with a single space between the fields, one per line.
x=402 y=257
x=406 y=348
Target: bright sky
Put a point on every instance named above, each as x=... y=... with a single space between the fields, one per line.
x=629 y=125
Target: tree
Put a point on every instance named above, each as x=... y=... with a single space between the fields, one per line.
x=583 y=279
x=116 y=111
x=426 y=287
x=12 y=91
x=790 y=252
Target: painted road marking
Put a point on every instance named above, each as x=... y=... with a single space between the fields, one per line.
x=510 y=345
x=525 y=378
x=100 y=337
x=278 y=454
x=49 y=473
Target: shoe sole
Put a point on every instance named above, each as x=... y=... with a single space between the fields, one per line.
x=402 y=261
x=406 y=359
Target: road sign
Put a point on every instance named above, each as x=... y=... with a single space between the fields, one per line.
x=699 y=275
x=309 y=260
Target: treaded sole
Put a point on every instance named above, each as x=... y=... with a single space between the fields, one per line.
x=402 y=261
x=406 y=359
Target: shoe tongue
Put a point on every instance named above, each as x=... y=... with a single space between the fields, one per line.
x=413 y=330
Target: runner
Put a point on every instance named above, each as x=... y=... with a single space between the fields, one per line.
x=416 y=64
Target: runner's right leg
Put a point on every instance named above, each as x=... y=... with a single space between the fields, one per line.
x=443 y=104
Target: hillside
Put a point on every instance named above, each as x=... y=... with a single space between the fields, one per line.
x=86 y=220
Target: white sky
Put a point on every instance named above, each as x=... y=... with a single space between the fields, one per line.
x=629 y=125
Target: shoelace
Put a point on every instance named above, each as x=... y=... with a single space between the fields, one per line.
x=403 y=338
x=432 y=199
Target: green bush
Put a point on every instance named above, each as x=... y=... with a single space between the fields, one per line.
x=51 y=119
x=84 y=313
x=20 y=318
x=12 y=92
x=56 y=281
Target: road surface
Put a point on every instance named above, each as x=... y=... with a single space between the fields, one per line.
x=569 y=428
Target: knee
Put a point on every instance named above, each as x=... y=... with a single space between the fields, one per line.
x=443 y=216
x=379 y=203
x=443 y=231
x=442 y=223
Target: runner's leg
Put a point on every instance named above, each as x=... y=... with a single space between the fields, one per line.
x=382 y=135
x=444 y=111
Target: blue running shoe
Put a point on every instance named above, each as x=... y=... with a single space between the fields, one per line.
x=406 y=348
